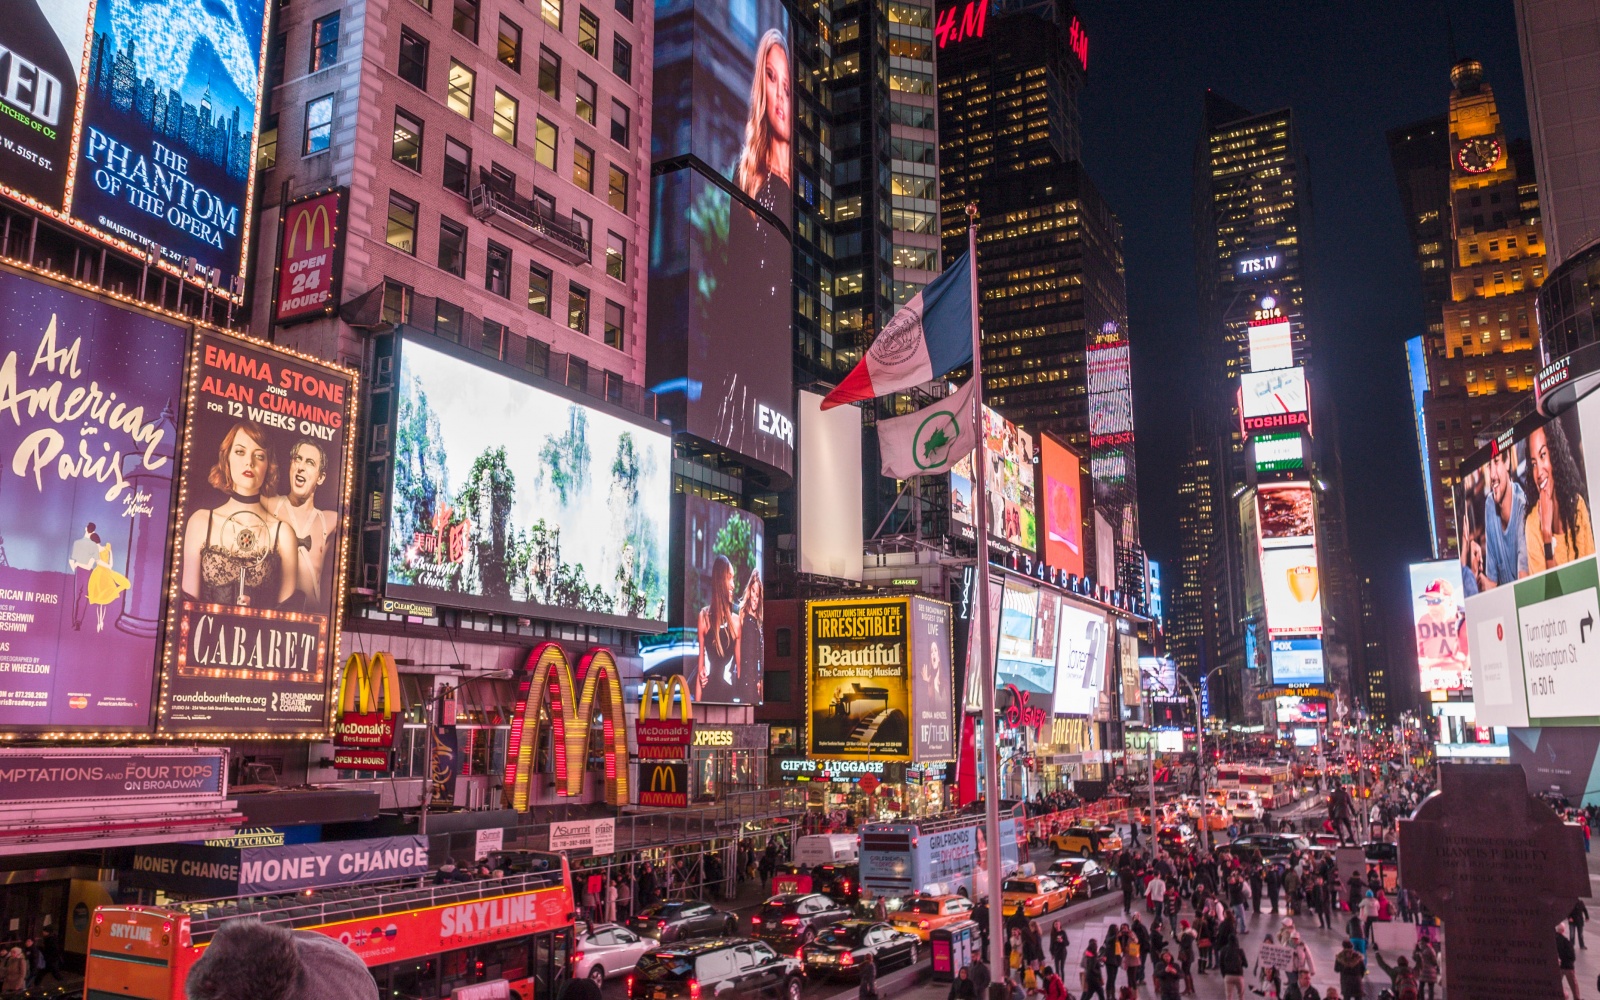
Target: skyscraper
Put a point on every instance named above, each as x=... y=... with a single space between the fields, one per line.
x=1054 y=300
x=1258 y=424
x=1481 y=356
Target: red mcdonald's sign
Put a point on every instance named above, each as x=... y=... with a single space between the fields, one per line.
x=310 y=241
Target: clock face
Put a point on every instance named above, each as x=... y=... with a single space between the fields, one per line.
x=1479 y=155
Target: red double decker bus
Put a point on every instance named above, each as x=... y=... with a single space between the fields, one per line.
x=420 y=941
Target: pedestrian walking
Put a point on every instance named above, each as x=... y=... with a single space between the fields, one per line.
x=961 y=988
x=1058 y=947
x=980 y=976
x=1566 y=958
x=1091 y=981
x=1232 y=963
x=1168 y=977
x=1425 y=959
x=1352 y=970
x=14 y=972
x=867 y=989
x=1575 y=921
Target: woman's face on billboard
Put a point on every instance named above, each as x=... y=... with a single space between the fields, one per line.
x=775 y=78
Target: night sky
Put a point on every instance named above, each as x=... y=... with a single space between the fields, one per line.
x=1350 y=71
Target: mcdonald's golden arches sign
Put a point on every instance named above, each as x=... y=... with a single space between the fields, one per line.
x=663 y=737
x=664 y=783
x=310 y=245
x=572 y=700
x=369 y=703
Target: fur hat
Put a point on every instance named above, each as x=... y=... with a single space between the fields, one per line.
x=250 y=960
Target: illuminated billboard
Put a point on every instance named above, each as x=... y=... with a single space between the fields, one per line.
x=1279 y=452
x=1294 y=710
x=258 y=575
x=723 y=93
x=858 y=680
x=719 y=649
x=84 y=574
x=1291 y=587
x=1010 y=452
x=1297 y=661
x=1061 y=505
x=1271 y=345
x=508 y=496
x=1438 y=607
x=1159 y=675
x=1081 y=658
x=1029 y=617
x=719 y=312
x=133 y=131
x=1110 y=384
x=1286 y=515
x=1529 y=572
x=1273 y=400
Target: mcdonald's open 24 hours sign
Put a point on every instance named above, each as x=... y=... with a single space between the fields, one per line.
x=369 y=712
x=310 y=256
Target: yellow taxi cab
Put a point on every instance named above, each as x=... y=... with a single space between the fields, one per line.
x=926 y=914
x=1087 y=839
x=1034 y=895
x=1216 y=818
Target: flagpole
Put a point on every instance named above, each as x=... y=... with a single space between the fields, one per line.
x=991 y=761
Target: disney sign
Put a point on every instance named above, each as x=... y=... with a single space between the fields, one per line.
x=1020 y=714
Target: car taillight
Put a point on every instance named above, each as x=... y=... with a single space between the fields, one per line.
x=577 y=957
x=847 y=959
x=661 y=923
x=791 y=921
x=754 y=920
x=846 y=885
x=923 y=924
x=630 y=985
x=694 y=989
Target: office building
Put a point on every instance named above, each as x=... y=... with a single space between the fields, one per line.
x=1482 y=357
x=1371 y=672
x=1050 y=268
x=1251 y=225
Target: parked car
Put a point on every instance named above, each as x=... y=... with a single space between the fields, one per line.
x=723 y=968
x=607 y=950
x=678 y=920
x=840 y=950
x=792 y=919
x=1083 y=875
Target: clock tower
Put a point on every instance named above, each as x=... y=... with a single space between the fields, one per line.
x=1485 y=355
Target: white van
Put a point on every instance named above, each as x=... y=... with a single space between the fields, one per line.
x=827 y=849
x=1244 y=803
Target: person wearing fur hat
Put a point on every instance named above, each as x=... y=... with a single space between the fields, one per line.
x=250 y=960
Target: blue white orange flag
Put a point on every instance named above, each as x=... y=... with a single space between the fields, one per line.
x=928 y=338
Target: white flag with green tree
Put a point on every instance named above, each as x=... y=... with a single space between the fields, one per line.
x=930 y=440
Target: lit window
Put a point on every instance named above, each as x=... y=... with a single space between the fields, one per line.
x=267 y=152
x=588 y=32
x=406 y=148
x=509 y=50
x=505 y=116
x=538 y=289
x=587 y=98
x=544 y=143
x=402 y=229
x=617 y=190
x=583 y=166
x=458 y=90
x=578 y=309
x=550 y=10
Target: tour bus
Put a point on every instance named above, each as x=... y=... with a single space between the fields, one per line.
x=1273 y=783
x=1227 y=777
x=940 y=857
x=420 y=941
